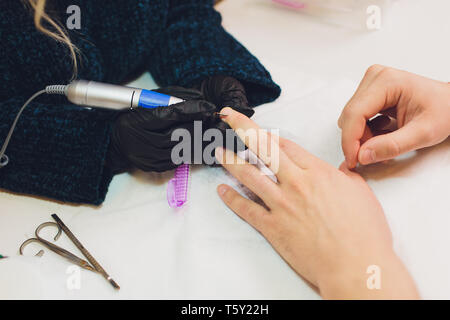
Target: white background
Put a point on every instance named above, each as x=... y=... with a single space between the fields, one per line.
x=204 y=250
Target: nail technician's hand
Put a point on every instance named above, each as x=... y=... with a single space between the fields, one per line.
x=419 y=108
x=224 y=91
x=141 y=138
x=326 y=223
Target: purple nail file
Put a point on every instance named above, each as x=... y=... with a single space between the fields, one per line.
x=178 y=187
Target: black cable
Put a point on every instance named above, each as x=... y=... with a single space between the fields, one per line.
x=53 y=89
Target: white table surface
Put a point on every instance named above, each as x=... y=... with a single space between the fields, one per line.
x=204 y=250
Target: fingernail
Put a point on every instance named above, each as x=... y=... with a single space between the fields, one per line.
x=222 y=189
x=219 y=114
x=368 y=156
x=348 y=162
x=225 y=112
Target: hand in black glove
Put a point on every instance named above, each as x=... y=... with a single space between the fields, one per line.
x=141 y=137
x=225 y=91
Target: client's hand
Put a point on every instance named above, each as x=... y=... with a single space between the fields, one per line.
x=326 y=223
x=141 y=138
x=418 y=107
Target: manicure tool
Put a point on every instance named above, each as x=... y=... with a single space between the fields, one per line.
x=93 y=266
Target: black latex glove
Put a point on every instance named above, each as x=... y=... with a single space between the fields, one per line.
x=225 y=91
x=141 y=137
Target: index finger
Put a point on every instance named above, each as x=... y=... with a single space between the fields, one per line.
x=370 y=75
x=368 y=101
x=265 y=146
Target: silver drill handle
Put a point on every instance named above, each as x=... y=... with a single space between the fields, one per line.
x=103 y=95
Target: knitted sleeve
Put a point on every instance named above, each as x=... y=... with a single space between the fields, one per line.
x=195 y=45
x=56 y=151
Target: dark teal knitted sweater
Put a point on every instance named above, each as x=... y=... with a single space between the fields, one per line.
x=58 y=150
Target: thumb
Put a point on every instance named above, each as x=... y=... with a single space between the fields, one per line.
x=190 y=110
x=181 y=92
x=388 y=146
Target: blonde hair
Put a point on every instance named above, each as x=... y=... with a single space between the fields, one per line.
x=60 y=35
